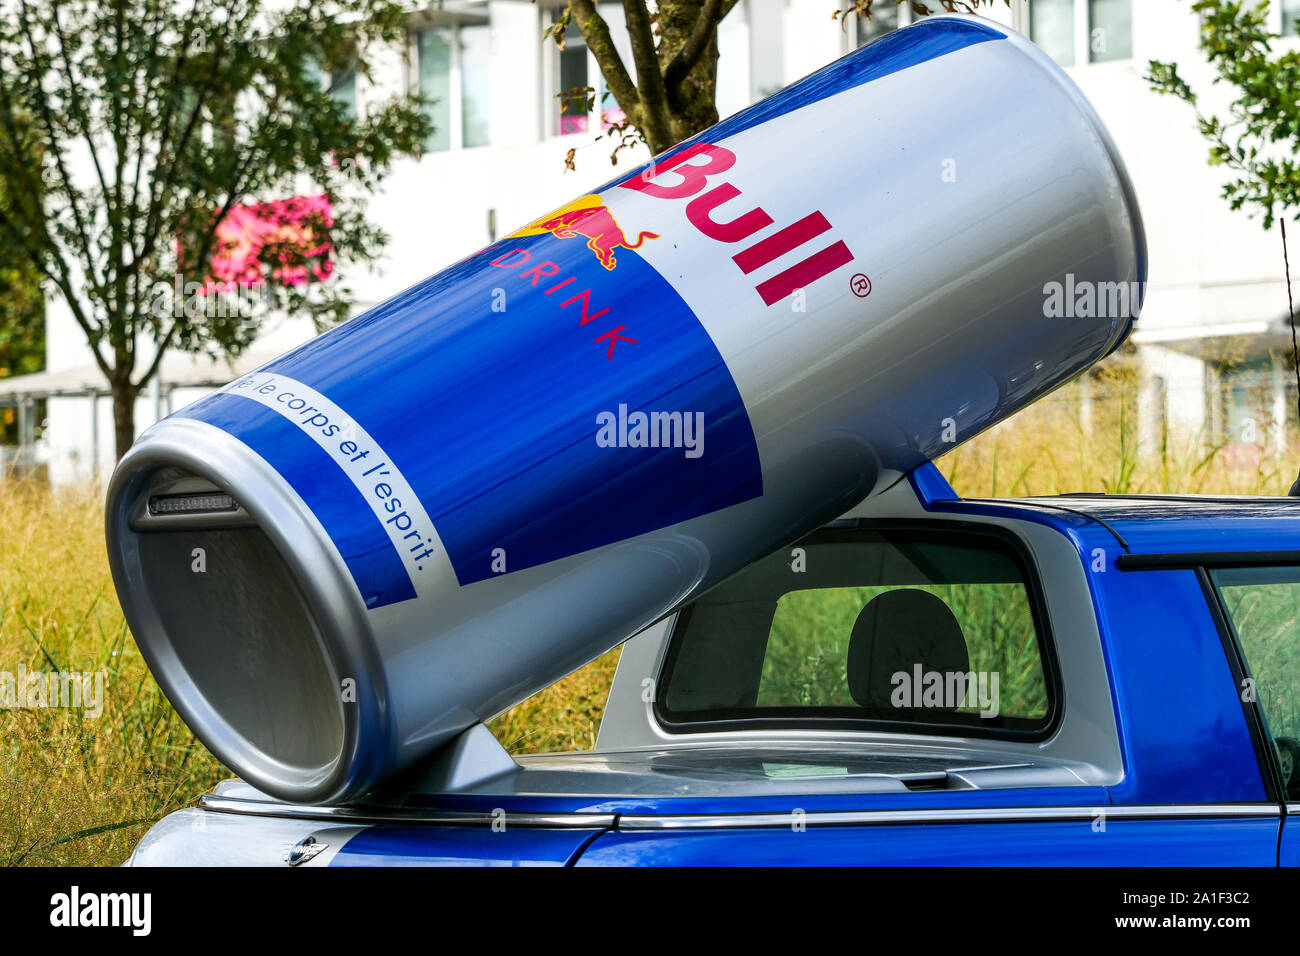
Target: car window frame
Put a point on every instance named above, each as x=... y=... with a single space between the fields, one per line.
x=1020 y=552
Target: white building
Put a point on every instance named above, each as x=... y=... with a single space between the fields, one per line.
x=497 y=160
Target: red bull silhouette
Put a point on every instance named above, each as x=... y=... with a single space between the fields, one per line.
x=588 y=216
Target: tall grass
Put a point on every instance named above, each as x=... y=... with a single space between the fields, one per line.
x=75 y=788
x=1063 y=444
x=80 y=790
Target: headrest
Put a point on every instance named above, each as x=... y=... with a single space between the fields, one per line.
x=896 y=631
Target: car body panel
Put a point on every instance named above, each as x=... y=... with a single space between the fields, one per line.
x=1155 y=759
x=1161 y=615
x=397 y=845
x=1228 y=842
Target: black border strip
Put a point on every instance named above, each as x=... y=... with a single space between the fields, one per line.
x=1195 y=559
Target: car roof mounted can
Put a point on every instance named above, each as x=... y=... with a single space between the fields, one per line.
x=338 y=562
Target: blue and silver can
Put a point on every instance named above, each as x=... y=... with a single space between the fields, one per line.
x=416 y=520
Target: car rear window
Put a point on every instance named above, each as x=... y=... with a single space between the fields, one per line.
x=916 y=630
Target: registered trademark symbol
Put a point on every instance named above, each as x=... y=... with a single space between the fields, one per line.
x=860 y=285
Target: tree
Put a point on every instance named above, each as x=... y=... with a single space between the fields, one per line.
x=22 y=325
x=1260 y=134
x=22 y=313
x=22 y=331
x=675 y=62
x=133 y=132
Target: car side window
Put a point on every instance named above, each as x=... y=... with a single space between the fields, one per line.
x=1263 y=607
x=925 y=630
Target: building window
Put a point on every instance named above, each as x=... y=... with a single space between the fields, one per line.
x=340 y=84
x=433 y=46
x=1051 y=26
x=1249 y=395
x=1110 y=30
x=475 y=73
x=571 y=86
x=343 y=87
x=1290 y=18
x=884 y=19
x=577 y=80
x=453 y=73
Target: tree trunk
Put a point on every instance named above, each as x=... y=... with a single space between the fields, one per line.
x=124 y=396
x=692 y=104
x=665 y=106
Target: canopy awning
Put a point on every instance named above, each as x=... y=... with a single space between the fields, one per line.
x=179 y=370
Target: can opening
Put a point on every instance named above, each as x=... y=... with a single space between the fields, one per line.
x=228 y=622
x=239 y=630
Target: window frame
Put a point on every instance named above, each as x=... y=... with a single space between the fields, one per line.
x=1074 y=34
x=1082 y=40
x=1086 y=17
x=679 y=724
x=452 y=23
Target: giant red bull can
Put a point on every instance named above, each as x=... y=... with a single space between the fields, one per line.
x=338 y=562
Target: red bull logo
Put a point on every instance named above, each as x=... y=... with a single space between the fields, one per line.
x=588 y=216
x=692 y=177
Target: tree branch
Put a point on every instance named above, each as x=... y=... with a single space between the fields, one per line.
x=163 y=345
x=653 y=112
x=706 y=25
x=143 y=244
x=61 y=280
x=596 y=32
x=233 y=194
x=157 y=203
x=73 y=99
x=96 y=282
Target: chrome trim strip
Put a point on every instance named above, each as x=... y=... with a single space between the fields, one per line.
x=701 y=821
x=964 y=815
x=371 y=815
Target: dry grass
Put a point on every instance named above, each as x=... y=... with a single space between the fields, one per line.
x=1050 y=448
x=76 y=790
x=80 y=790
x=565 y=716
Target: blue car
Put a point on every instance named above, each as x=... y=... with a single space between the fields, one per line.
x=1072 y=680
